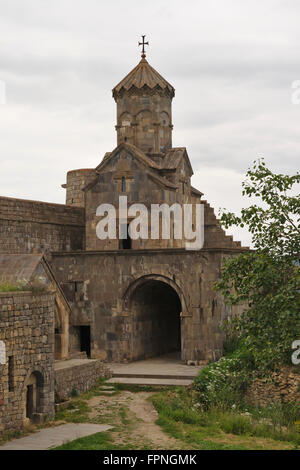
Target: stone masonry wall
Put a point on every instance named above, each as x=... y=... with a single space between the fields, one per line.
x=27 y=330
x=104 y=298
x=285 y=387
x=78 y=378
x=36 y=227
x=141 y=188
x=76 y=180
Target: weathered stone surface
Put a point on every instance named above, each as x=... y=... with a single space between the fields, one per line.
x=37 y=227
x=123 y=322
x=27 y=329
x=76 y=180
x=76 y=376
x=284 y=386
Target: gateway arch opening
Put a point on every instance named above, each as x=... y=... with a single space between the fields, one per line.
x=156 y=309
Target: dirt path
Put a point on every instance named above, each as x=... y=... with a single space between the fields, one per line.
x=133 y=418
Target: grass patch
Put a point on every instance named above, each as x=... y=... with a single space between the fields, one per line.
x=98 y=441
x=141 y=388
x=77 y=412
x=23 y=286
x=182 y=417
x=123 y=415
x=10 y=435
x=6 y=286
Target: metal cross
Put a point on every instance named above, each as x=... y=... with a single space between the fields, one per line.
x=143 y=44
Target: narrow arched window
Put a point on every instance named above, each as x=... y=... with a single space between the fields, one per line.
x=123 y=184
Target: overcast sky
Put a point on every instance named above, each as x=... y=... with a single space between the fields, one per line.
x=231 y=62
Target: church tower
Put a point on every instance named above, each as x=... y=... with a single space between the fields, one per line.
x=144 y=109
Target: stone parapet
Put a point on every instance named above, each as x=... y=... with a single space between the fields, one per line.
x=76 y=376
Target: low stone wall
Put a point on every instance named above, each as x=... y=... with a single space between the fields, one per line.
x=285 y=387
x=27 y=358
x=76 y=376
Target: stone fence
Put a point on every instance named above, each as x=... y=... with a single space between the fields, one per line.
x=76 y=376
x=284 y=387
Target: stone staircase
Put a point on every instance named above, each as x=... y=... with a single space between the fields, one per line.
x=151 y=381
x=161 y=371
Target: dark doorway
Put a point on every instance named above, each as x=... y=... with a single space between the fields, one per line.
x=85 y=339
x=30 y=401
x=34 y=393
x=156 y=309
x=126 y=242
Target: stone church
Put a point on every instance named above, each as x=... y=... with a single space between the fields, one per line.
x=128 y=299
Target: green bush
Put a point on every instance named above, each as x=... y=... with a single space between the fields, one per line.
x=225 y=382
x=231 y=344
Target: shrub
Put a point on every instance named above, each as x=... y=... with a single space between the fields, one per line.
x=225 y=382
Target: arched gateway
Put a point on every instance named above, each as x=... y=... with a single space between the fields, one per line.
x=155 y=304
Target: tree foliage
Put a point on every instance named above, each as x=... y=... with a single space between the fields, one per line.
x=267 y=279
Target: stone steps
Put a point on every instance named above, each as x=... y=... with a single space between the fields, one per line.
x=166 y=370
x=107 y=389
x=155 y=381
x=153 y=376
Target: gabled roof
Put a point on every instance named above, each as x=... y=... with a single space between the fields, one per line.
x=131 y=149
x=141 y=157
x=173 y=158
x=15 y=268
x=196 y=191
x=143 y=75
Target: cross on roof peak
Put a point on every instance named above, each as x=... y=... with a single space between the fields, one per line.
x=143 y=43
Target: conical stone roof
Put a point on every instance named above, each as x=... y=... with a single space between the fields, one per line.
x=143 y=75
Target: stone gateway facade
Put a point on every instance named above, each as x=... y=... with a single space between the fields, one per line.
x=138 y=298
x=128 y=298
x=144 y=303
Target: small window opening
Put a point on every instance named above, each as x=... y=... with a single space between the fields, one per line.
x=126 y=242
x=11 y=383
x=123 y=184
